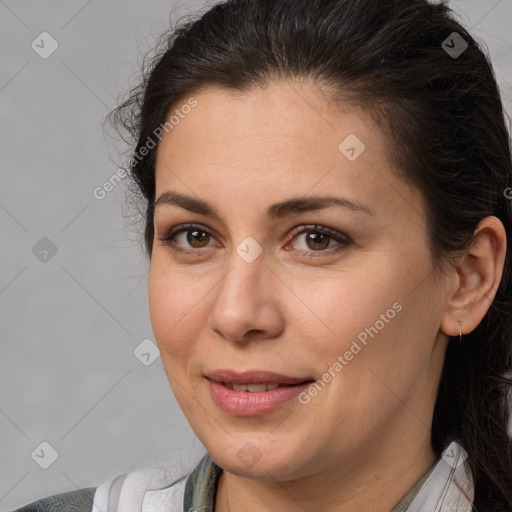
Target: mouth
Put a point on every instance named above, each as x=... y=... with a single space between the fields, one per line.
x=253 y=393
x=256 y=388
x=254 y=380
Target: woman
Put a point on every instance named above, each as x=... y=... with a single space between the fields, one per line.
x=325 y=187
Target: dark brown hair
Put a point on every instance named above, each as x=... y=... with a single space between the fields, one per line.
x=392 y=59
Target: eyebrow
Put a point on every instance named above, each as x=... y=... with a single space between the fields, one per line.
x=274 y=211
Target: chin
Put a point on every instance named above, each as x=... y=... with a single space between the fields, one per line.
x=259 y=459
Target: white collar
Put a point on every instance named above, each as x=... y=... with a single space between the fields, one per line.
x=449 y=486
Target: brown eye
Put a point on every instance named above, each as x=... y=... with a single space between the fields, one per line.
x=317 y=241
x=187 y=238
x=192 y=238
x=196 y=238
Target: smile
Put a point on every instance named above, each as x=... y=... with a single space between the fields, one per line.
x=253 y=388
x=253 y=393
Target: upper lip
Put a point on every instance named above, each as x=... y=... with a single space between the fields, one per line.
x=253 y=377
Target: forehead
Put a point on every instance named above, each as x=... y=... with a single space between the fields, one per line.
x=282 y=125
x=281 y=110
x=282 y=140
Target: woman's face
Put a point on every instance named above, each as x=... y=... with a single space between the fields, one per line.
x=276 y=279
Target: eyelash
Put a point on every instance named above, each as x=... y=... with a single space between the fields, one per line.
x=343 y=240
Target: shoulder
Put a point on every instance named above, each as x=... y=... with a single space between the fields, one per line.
x=150 y=489
x=80 y=500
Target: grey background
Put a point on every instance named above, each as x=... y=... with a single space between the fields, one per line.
x=70 y=324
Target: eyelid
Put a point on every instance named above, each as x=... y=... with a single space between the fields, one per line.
x=320 y=228
x=172 y=232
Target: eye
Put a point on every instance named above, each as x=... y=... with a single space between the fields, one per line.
x=195 y=236
x=189 y=238
x=319 y=238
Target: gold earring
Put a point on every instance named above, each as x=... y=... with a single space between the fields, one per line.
x=460 y=330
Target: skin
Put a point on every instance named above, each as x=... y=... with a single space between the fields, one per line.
x=364 y=440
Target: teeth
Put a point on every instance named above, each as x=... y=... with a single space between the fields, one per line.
x=251 y=388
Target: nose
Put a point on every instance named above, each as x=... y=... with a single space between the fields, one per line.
x=245 y=306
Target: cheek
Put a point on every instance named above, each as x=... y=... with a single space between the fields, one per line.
x=370 y=315
x=345 y=306
x=173 y=304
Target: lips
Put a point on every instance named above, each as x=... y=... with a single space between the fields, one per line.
x=253 y=388
x=232 y=379
x=254 y=392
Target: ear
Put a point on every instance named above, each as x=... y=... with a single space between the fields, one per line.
x=477 y=279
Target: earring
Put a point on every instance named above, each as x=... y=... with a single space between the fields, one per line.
x=460 y=330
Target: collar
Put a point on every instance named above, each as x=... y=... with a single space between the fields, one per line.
x=447 y=486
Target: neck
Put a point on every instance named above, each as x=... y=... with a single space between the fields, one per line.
x=377 y=482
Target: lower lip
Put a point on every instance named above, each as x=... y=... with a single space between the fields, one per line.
x=246 y=403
